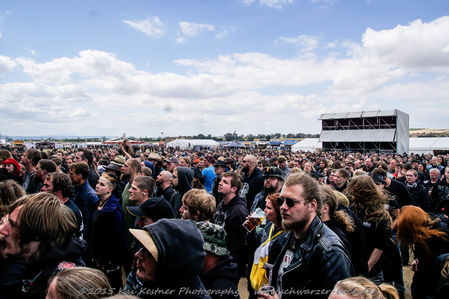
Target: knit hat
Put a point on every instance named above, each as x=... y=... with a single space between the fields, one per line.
x=13 y=162
x=214 y=238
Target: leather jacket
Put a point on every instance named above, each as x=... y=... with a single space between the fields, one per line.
x=318 y=262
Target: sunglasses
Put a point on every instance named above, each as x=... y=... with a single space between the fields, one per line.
x=289 y=201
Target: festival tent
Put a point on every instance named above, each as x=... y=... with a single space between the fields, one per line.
x=191 y=143
x=420 y=145
x=307 y=144
x=427 y=145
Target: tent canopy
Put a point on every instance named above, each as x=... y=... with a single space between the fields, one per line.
x=308 y=144
x=426 y=145
x=190 y=143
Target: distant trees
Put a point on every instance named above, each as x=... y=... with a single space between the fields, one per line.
x=226 y=137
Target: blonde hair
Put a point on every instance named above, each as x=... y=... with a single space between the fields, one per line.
x=361 y=286
x=71 y=283
x=296 y=170
x=330 y=198
x=200 y=203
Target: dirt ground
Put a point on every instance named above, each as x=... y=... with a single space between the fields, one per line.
x=408 y=275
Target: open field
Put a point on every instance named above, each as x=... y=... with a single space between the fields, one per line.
x=429 y=132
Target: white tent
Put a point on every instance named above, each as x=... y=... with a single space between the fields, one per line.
x=307 y=144
x=191 y=143
x=426 y=145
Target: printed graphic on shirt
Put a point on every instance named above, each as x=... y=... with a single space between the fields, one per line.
x=244 y=190
x=285 y=263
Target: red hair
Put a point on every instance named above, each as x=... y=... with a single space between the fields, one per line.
x=13 y=162
x=415 y=227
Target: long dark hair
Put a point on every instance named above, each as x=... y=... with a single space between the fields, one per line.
x=368 y=199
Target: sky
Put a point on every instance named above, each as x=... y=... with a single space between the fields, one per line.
x=152 y=68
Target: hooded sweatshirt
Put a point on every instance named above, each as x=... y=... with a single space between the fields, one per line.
x=180 y=260
x=185 y=178
x=34 y=280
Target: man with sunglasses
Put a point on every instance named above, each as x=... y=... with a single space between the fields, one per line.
x=312 y=258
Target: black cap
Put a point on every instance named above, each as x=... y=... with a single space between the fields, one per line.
x=273 y=172
x=221 y=163
x=156 y=208
x=378 y=178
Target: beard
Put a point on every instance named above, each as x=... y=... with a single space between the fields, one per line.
x=270 y=189
x=295 y=226
x=245 y=169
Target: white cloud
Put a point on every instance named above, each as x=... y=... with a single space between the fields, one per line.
x=189 y=30
x=415 y=46
x=307 y=42
x=152 y=27
x=6 y=64
x=278 y=4
x=1 y=35
x=99 y=93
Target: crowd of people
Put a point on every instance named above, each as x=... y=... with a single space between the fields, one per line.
x=168 y=223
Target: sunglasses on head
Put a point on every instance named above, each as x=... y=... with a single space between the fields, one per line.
x=289 y=201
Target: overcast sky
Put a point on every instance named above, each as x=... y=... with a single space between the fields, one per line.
x=182 y=67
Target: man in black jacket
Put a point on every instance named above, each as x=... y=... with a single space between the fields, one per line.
x=440 y=194
x=231 y=213
x=420 y=196
x=312 y=258
x=252 y=180
x=86 y=156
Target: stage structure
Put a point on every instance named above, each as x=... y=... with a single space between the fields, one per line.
x=366 y=131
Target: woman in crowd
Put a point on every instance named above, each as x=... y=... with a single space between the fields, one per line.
x=341 y=179
x=272 y=232
x=308 y=167
x=369 y=205
x=79 y=283
x=105 y=232
x=338 y=221
x=12 y=168
x=428 y=238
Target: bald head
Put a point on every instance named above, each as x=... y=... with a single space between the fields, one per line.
x=164 y=177
x=249 y=163
x=250 y=158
